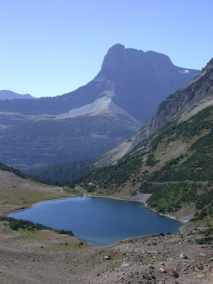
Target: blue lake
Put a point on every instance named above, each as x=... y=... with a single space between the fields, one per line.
x=98 y=221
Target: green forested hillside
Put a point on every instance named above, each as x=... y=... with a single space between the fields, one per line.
x=175 y=166
x=61 y=174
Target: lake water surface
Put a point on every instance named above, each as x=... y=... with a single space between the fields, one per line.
x=98 y=221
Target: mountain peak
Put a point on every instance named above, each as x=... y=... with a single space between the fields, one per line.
x=113 y=59
x=141 y=79
x=120 y=60
x=116 y=47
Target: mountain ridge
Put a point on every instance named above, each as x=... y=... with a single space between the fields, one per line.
x=85 y=123
x=10 y=95
x=124 y=71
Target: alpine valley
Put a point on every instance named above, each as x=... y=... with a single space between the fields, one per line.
x=164 y=161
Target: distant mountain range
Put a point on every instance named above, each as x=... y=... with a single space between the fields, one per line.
x=9 y=95
x=136 y=81
x=87 y=122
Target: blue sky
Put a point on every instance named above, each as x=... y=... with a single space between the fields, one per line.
x=49 y=47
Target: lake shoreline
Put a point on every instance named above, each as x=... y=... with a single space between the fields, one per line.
x=139 y=198
x=12 y=214
x=49 y=250
x=142 y=198
x=21 y=207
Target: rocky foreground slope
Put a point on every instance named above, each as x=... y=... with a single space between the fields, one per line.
x=46 y=257
x=32 y=255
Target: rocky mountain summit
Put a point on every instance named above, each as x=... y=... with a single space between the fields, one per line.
x=141 y=80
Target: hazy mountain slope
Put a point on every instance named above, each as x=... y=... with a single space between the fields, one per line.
x=175 y=161
x=9 y=95
x=63 y=174
x=86 y=123
x=27 y=143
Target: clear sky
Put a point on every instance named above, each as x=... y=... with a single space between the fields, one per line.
x=49 y=47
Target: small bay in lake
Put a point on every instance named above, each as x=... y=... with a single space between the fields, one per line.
x=98 y=221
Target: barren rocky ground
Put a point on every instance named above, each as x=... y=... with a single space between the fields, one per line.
x=47 y=257
x=42 y=256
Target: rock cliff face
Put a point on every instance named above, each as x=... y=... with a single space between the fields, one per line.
x=141 y=80
x=200 y=90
